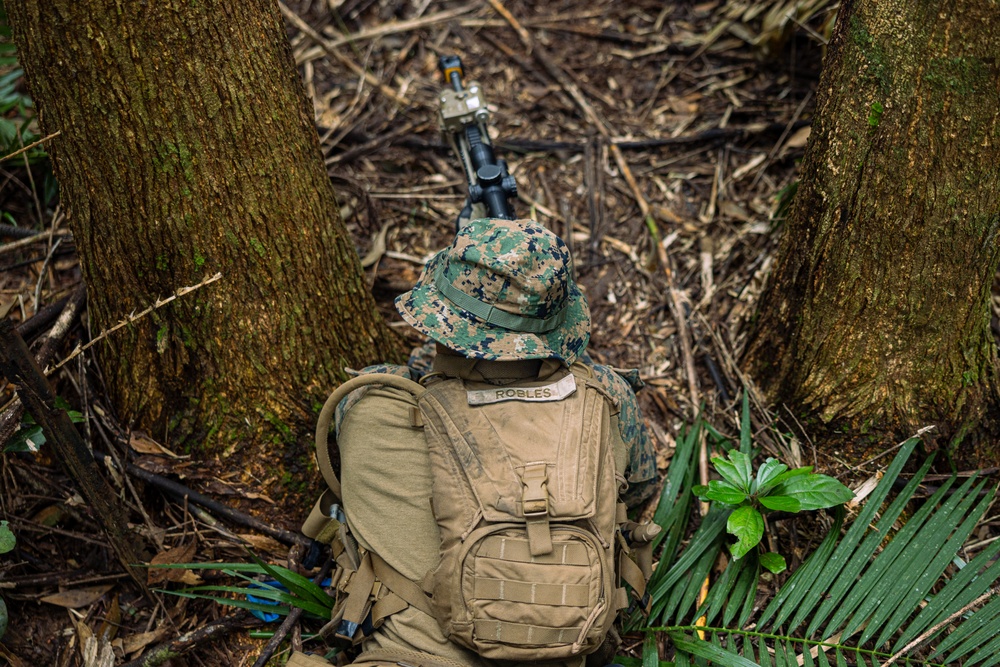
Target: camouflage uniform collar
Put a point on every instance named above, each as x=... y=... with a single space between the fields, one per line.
x=482 y=370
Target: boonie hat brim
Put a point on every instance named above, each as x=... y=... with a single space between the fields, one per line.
x=429 y=311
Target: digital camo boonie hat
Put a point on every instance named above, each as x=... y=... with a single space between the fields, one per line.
x=502 y=291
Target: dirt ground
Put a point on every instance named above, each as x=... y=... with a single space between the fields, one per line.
x=693 y=114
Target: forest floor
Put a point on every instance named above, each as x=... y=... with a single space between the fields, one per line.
x=694 y=115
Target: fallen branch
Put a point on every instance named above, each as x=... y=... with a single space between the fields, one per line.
x=309 y=32
x=398 y=27
x=11 y=418
x=573 y=90
x=160 y=653
x=20 y=368
x=181 y=492
x=42 y=237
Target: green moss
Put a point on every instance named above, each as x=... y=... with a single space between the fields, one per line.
x=257 y=246
x=173 y=159
x=285 y=431
x=872 y=52
x=161 y=338
x=187 y=337
x=199 y=260
x=161 y=262
x=964 y=76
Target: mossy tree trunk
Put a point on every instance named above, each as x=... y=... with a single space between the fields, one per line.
x=187 y=148
x=876 y=318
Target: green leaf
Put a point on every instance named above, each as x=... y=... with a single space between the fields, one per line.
x=788 y=474
x=743 y=597
x=780 y=503
x=264 y=593
x=767 y=473
x=937 y=561
x=703 y=649
x=747 y=524
x=707 y=537
x=650 y=654
x=962 y=589
x=815 y=491
x=723 y=492
x=281 y=610
x=774 y=562
x=835 y=589
x=699 y=573
x=27 y=439
x=673 y=509
x=731 y=473
x=296 y=583
x=7 y=539
x=744 y=464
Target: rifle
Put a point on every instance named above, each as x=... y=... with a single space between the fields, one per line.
x=463 y=118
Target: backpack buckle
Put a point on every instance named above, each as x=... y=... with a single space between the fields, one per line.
x=535 y=495
x=535 y=507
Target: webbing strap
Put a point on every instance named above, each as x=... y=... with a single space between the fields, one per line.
x=620 y=598
x=358 y=592
x=518 y=633
x=560 y=595
x=517 y=550
x=318 y=524
x=400 y=585
x=631 y=574
x=535 y=506
x=621 y=513
x=489 y=313
x=385 y=607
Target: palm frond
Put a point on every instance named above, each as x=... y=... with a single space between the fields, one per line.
x=879 y=592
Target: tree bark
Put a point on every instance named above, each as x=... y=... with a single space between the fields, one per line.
x=187 y=148
x=876 y=318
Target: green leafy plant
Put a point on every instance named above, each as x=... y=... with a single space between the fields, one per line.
x=7 y=539
x=871 y=593
x=17 y=112
x=30 y=438
x=774 y=488
x=7 y=542
x=286 y=591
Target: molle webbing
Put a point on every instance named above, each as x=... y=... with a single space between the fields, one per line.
x=517 y=550
x=519 y=633
x=557 y=595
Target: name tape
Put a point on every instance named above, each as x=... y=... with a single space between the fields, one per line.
x=556 y=391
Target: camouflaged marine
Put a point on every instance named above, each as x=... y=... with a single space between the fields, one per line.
x=478 y=513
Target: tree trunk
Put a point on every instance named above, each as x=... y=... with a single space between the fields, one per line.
x=876 y=319
x=188 y=148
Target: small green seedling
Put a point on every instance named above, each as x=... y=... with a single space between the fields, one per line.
x=7 y=542
x=775 y=487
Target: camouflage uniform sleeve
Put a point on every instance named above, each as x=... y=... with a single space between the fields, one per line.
x=422 y=357
x=641 y=469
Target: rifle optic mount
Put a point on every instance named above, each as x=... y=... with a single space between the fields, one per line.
x=464 y=118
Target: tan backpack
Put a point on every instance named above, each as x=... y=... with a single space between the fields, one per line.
x=526 y=497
